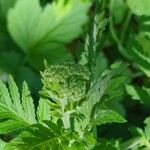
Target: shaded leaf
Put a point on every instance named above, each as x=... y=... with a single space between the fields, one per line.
x=105 y=116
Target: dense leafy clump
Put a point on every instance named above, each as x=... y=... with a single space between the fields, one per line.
x=62 y=129
x=66 y=82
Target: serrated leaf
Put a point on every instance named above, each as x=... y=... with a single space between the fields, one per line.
x=138 y=56
x=18 y=110
x=27 y=104
x=9 y=126
x=105 y=116
x=132 y=144
x=138 y=93
x=43 y=112
x=142 y=141
x=104 y=146
x=41 y=137
x=101 y=65
x=104 y=90
x=110 y=83
x=144 y=42
x=145 y=26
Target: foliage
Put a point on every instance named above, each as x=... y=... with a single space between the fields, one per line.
x=32 y=39
x=137 y=51
x=15 y=113
x=80 y=74
x=142 y=139
x=63 y=129
x=42 y=38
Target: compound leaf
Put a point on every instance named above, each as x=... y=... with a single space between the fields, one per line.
x=15 y=111
x=39 y=137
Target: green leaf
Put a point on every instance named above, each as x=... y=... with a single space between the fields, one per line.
x=138 y=93
x=147 y=128
x=44 y=110
x=108 y=87
x=9 y=126
x=121 y=8
x=131 y=144
x=105 y=116
x=144 y=42
x=43 y=32
x=145 y=27
x=110 y=83
x=2 y=144
x=105 y=145
x=142 y=141
x=15 y=110
x=138 y=56
x=139 y=7
x=27 y=104
x=91 y=54
x=101 y=65
x=39 y=137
